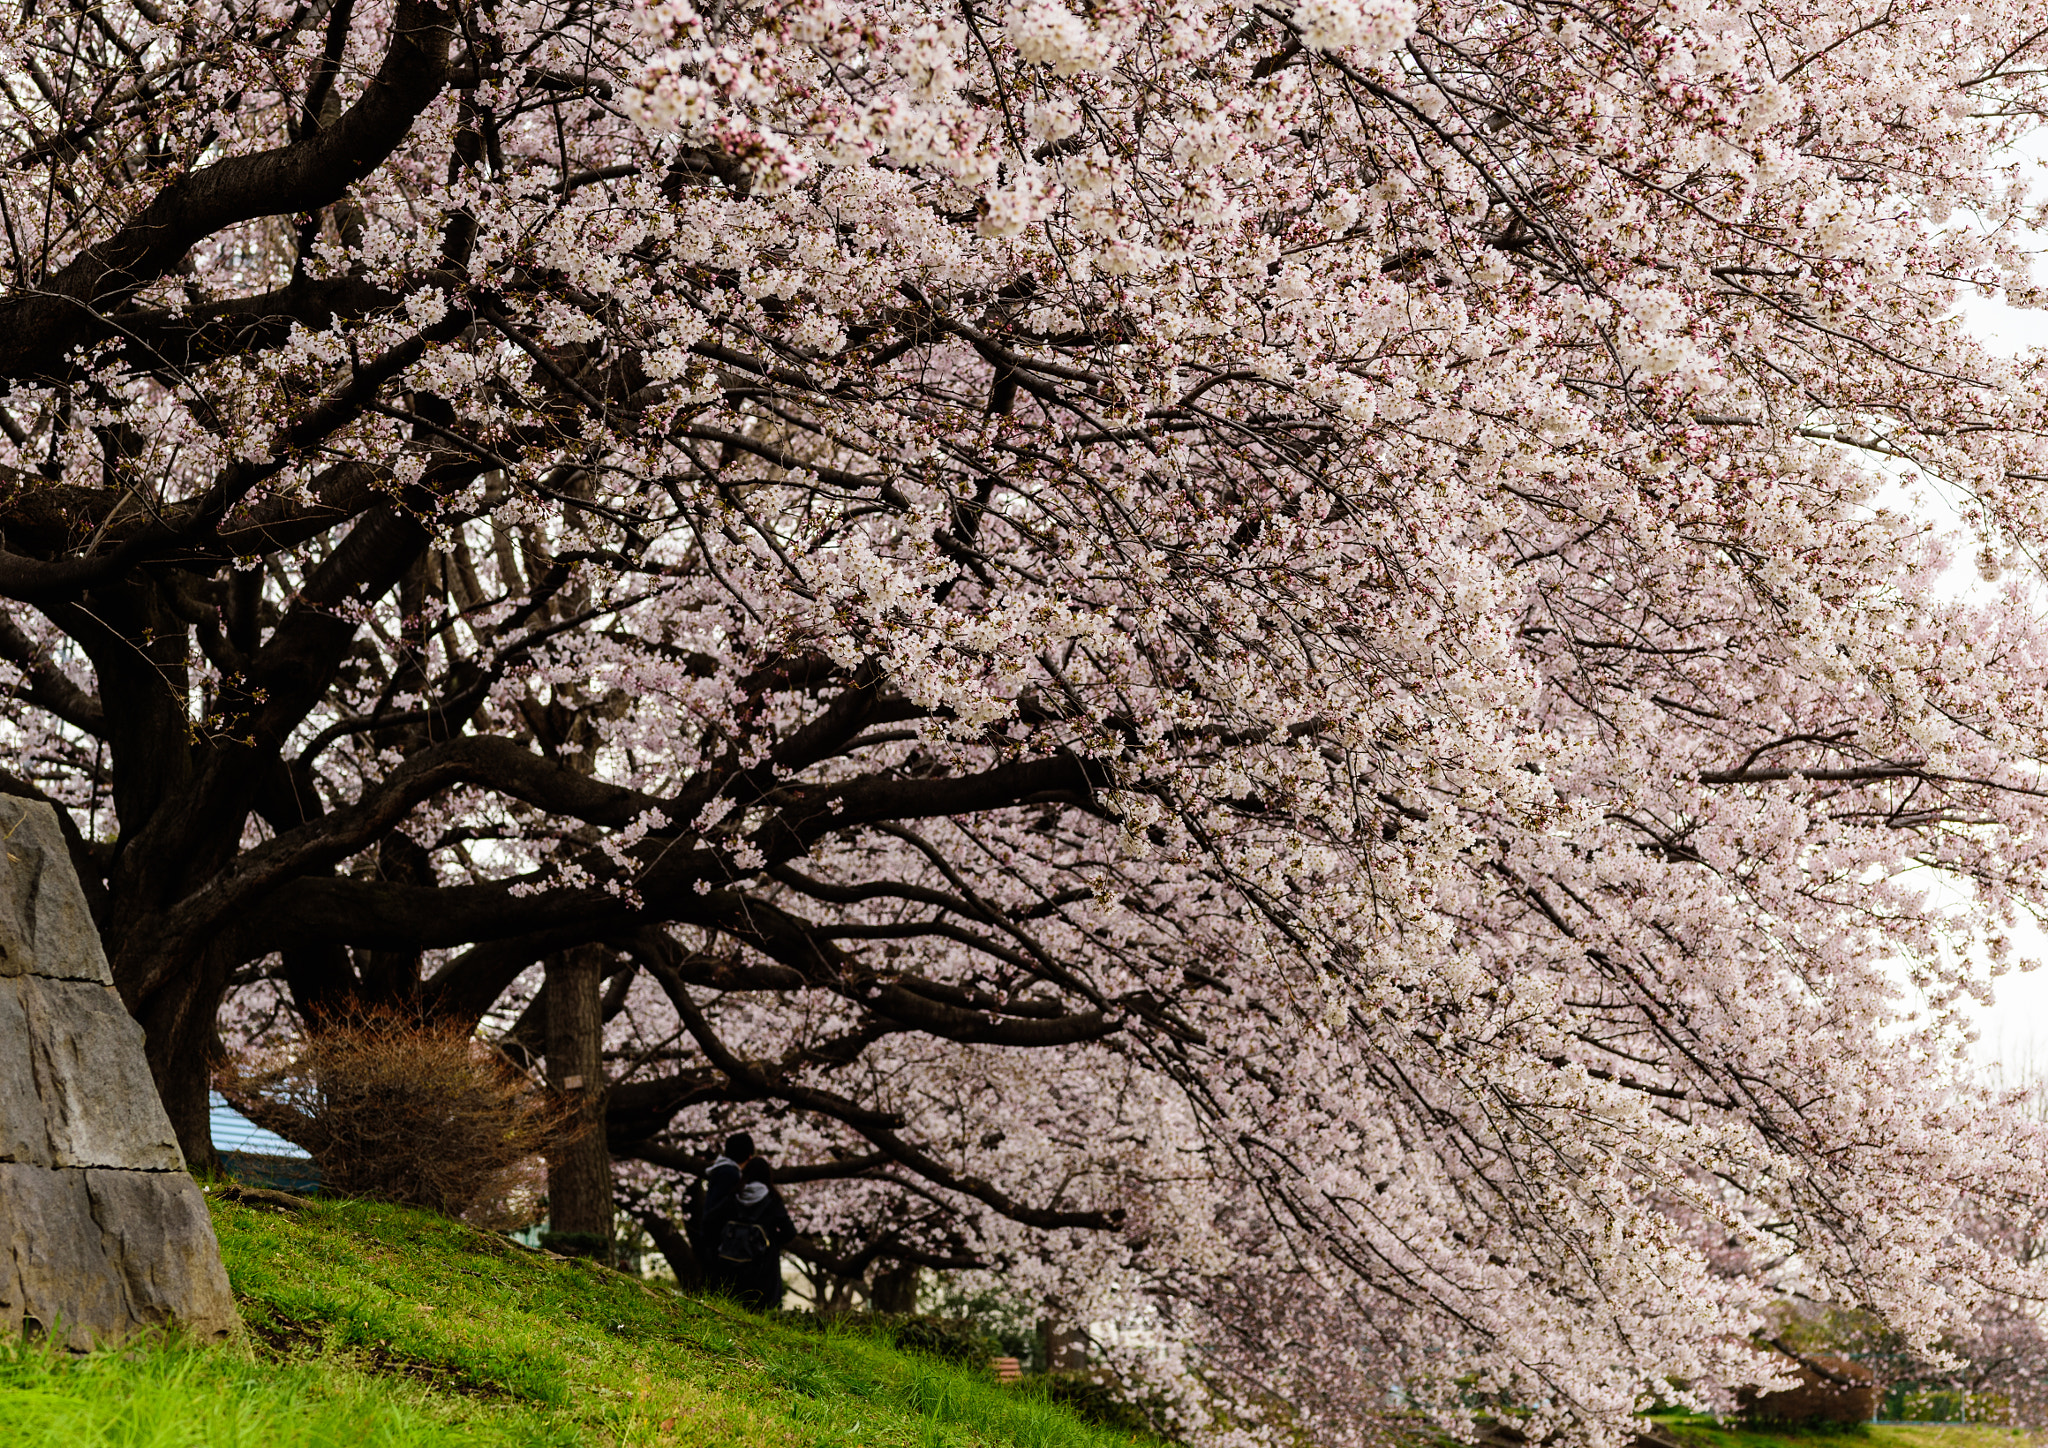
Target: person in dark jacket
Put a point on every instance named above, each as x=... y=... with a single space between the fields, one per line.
x=714 y=1205
x=751 y=1239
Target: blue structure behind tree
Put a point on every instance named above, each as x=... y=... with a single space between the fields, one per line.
x=256 y=1157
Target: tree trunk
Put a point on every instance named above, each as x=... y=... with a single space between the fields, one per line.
x=1061 y=1349
x=895 y=1288
x=181 y=1042
x=676 y=1248
x=183 y=1079
x=580 y=1169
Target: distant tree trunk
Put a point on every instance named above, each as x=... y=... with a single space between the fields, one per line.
x=895 y=1288
x=1061 y=1349
x=675 y=1247
x=579 y=1170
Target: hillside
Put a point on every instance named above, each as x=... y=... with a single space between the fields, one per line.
x=375 y=1326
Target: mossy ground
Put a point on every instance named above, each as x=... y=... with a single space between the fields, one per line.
x=372 y=1325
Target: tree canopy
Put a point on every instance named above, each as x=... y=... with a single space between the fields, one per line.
x=1246 y=658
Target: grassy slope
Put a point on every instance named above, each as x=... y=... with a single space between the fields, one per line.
x=1705 y=1433
x=375 y=1326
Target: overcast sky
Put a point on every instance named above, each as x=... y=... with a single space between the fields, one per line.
x=2014 y=1030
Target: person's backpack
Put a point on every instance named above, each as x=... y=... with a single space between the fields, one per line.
x=743 y=1240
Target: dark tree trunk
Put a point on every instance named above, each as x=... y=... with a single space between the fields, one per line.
x=182 y=1044
x=141 y=654
x=580 y=1169
x=182 y=1080
x=675 y=1247
x=1061 y=1349
x=895 y=1288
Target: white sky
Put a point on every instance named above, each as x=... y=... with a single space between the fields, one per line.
x=2014 y=1029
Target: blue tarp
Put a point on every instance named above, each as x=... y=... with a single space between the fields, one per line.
x=256 y=1157
x=233 y=1131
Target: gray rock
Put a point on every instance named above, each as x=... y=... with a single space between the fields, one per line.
x=55 y=1277
x=102 y=1234
x=24 y=1137
x=99 y=1102
x=156 y=1228
x=45 y=927
x=141 y=1252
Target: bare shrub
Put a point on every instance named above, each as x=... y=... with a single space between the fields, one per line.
x=403 y=1110
x=516 y=1197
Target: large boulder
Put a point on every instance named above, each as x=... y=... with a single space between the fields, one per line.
x=103 y=1233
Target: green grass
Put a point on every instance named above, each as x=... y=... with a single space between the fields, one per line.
x=375 y=1327
x=1694 y=1432
x=371 y=1325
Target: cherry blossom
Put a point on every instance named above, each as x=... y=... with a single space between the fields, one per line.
x=1244 y=667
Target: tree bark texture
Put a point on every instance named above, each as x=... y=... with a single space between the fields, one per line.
x=580 y=1169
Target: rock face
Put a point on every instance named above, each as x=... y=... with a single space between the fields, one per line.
x=102 y=1232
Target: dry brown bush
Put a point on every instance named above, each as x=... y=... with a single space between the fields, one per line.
x=408 y=1111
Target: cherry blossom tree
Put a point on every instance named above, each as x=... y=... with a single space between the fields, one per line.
x=1991 y=1365
x=1247 y=663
